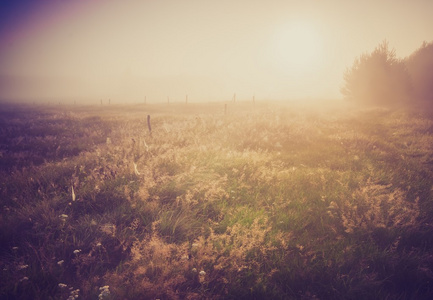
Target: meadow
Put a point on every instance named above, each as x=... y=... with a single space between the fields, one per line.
x=255 y=201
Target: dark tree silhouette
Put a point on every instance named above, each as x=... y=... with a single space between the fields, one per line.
x=420 y=68
x=377 y=78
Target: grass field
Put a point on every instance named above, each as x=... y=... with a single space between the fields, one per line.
x=263 y=201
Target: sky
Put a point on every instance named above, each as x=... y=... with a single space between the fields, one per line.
x=130 y=50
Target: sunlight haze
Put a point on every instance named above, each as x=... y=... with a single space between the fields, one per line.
x=208 y=50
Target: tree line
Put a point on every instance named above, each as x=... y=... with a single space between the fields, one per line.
x=381 y=78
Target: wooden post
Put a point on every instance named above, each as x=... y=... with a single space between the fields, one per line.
x=168 y=100
x=148 y=125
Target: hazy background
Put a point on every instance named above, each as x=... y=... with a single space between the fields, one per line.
x=127 y=50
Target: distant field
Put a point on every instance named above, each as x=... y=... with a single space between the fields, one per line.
x=221 y=201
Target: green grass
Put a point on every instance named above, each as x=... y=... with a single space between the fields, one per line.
x=272 y=200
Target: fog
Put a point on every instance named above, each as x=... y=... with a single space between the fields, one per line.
x=131 y=50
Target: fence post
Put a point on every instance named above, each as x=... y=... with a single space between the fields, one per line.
x=148 y=125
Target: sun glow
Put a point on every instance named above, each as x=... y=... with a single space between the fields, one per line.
x=87 y=50
x=297 y=48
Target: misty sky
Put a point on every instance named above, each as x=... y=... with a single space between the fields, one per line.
x=126 y=50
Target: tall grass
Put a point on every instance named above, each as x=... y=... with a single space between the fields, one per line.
x=266 y=201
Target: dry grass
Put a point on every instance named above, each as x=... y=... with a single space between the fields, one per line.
x=266 y=201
